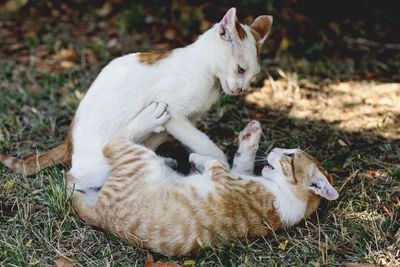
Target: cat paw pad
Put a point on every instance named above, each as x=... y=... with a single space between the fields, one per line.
x=249 y=137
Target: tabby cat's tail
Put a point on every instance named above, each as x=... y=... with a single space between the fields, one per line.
x=33 y=164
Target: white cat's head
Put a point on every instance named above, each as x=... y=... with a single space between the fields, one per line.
x=242 y=43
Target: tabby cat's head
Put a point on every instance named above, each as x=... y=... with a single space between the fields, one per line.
x=302 y=174
x=241 y=51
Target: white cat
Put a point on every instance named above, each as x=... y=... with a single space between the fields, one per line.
x=187 y=79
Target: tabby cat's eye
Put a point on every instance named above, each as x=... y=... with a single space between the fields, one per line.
x=241 y=70
x=290 y=155
x=315 y=185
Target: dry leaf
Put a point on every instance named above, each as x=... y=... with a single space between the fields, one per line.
x=374 y=173
x=189 y=262
x=342 y=143
x=65 y=64
x=386 y=211
x=105 y=10
x=9 y=184
x=11 y=6
x=63 y=262
x=284 y=44
x=282 y=245
x=68 y=54
x=150 y=262
x=395 y=198
x=343 y=230
x=28 y=243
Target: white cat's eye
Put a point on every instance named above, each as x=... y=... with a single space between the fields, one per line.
x=241 y=70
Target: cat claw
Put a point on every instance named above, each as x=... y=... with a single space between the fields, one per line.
x=155 y=116
x=159 y=129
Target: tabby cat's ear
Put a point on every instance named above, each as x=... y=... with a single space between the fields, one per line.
x=229 y=27
x=321 y=187
x=261 y=26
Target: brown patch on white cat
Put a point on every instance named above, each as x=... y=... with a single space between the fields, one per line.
x=257 y=38
x=150 y=58
x=241 y=32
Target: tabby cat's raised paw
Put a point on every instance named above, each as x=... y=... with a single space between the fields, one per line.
x=249 y=137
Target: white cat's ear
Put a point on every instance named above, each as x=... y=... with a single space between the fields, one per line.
x=321 y=187
x=262 y=26
x=229 y=27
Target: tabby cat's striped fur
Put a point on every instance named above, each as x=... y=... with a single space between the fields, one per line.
x=147 y=202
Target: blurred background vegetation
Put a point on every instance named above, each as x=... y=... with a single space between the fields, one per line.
x=360 y=39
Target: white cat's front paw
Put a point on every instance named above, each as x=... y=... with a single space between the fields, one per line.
x=154 y=116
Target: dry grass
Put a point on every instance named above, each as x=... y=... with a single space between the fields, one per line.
x=353 y=128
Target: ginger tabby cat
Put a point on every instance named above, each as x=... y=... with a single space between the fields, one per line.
x=147 y=202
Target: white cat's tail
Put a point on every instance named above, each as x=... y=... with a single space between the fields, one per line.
x=34 y=163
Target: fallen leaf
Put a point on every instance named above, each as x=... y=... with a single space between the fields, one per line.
x=189 y=262
x=11 y=6
x=345 y=248
x=150 y=262
x=105 y=10
x=342 y=143
x=395 y=198
x=170 y=34
x=387 y=211
x=9 y=184
x=68 y=54
x=284 y=44
x=63 y=262
x=91 y=58
x=66 y=64
x=374 y=173
x=343 y=230
x=16 y=47
x=282 y=245
x=28 y=243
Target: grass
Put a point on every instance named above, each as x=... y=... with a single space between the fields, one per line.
x=343 y=124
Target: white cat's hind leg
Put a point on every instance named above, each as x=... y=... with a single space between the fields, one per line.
x=249 y=137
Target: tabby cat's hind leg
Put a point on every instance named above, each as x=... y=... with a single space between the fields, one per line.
x=249 y=137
